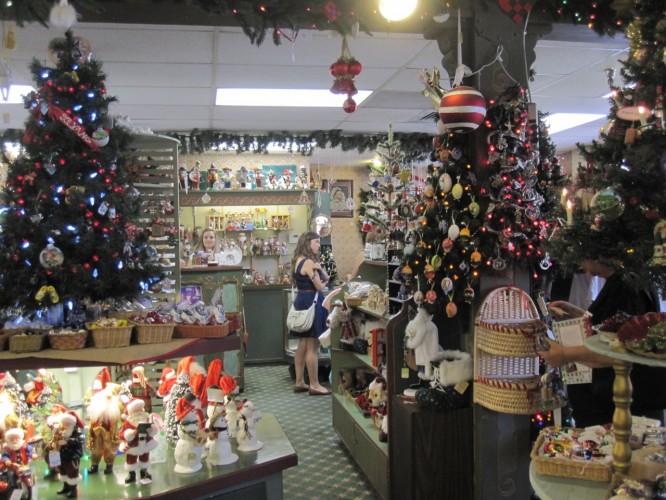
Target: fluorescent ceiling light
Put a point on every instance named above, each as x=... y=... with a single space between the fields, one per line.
x=559 y=122
x=289 y=98
x=16 y=93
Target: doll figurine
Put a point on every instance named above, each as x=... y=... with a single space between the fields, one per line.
x=218 y=446
x=141 y=388
x=195 y=175
x=104 y=411
x=16 y=453
x=191 y=435
x=226 y=177
x=183 y=178
x=242 y=177
x=212 y=176
x=137 y=435
x=422 y=335
x=248 y=417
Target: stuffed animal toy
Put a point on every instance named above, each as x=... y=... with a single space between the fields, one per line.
x=346 y=380
x=377 y=393
x=422 y=335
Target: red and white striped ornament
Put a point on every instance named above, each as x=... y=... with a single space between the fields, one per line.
x=462 y=109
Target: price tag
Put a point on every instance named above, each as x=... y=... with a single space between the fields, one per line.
x=404 y=373
x=461 y=387
x=54 y=459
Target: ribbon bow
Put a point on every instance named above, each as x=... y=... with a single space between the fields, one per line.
x=51 y=291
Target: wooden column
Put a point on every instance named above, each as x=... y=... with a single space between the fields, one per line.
x=501 y=441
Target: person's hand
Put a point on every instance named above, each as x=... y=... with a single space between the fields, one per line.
x=561 y=309
x=555 y=356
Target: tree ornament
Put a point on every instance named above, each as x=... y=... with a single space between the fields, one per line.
x=451 y=308
x=349 y=106
x=447 y=284
x=445 y=183
x=50 y=167
x=469 y=294
x=462 y=109
x=51 y=257
x=457 y=190
x=607 y=205
x=431 y=297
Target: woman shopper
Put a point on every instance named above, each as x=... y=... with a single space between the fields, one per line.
x=309 y=279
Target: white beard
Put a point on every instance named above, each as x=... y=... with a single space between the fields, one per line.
x=15 y=446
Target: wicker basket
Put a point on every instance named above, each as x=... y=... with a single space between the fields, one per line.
x=63 y=340
x=202 y=331
x=3 y=340
x=153 y=334
x=575 y=469
x=506 y=365
x=105 y=336
x=27 y=343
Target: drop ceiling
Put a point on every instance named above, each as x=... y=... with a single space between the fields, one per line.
x=165 y=78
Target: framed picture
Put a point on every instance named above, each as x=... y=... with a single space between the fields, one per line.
x=191 y=294
x=342 y=197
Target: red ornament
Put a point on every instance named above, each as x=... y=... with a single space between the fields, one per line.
x=341 y=67
x=349 y=106
x=354 y=67
x=462 y=109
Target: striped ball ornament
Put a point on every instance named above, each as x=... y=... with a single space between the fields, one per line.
x=462 y=109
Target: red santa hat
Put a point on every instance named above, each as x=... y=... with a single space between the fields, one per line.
x=167 y=380
x=228 y=384
x=184 y=365
x=102 y=378
x=57 y=408
x=214 y=372
x=185 y=405
x=135 y=405
x=34 y=385
x=72 y=418
x=197 y=383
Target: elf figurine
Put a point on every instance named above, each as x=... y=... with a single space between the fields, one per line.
x=65 y=452
x=104 y=411
x=141 y=388
x=137 y=434
x=191 y=435
x=218 y=446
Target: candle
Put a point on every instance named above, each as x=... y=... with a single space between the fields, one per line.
x=563 y=198
x=569 y=212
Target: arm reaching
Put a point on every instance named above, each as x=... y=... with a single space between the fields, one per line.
x=559 y=355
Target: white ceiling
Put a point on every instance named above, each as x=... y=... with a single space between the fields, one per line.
x=165 y=78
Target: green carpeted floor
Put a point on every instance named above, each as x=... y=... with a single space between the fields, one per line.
x=325 y=468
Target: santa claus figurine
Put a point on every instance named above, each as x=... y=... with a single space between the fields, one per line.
x=102 y=378
x=104 y=411
x=141 y=388
x=65 y=452
x=16 y=453
x=137 y=435
x=191 y=435
x=167 y=380
x=218 y=446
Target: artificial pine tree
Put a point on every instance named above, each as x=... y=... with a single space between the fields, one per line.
x=329 y=265
x=619 y=200
x=179 y=389
x=521 y=193
x=67 y=233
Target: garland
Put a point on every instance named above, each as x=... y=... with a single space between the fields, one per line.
x=605 y=17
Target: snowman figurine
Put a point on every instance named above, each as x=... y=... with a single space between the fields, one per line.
x=217 y=445
x=191 y=435
x=247 y=421
x=231 y=415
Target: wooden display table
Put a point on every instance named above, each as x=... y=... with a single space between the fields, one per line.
x=256 y=474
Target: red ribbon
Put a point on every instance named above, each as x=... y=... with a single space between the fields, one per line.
x=58 y=114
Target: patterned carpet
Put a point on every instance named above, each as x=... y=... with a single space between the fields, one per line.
x=325 y=468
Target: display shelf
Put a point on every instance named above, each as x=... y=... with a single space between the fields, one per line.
x=364 y=359
x=130 y=355
x=263 y=467
x=362 y=421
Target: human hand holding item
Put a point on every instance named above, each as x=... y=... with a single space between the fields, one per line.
x=561 y=309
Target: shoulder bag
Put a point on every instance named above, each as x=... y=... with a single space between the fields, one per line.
x=301 y=321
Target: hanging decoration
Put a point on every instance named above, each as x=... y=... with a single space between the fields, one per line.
x=345 y=69
x=517 y=10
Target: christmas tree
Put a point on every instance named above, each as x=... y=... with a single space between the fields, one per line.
x=329 y=265
x=67 y=234
x=617 y=205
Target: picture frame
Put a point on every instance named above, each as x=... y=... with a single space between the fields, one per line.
x=191 y=293
x=342 y=197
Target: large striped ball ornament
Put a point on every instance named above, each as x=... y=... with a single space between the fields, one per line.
x=462 y=109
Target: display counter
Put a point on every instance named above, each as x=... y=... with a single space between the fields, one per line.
x=256 y=474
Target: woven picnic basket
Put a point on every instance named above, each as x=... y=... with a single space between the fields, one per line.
x=506 y=365
x=21 y=341
x=153 y=333
x=202 y=331
x=68 y=340
x=110 y=336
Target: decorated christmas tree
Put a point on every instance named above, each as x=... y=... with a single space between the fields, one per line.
x=329 y=265
x=521 y=195
x=67 y=233
x=616 y=209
